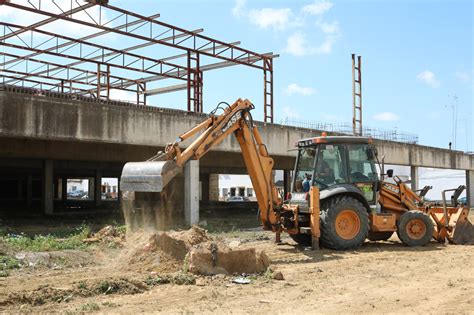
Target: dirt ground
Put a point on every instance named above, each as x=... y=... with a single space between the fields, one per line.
x=379 y=277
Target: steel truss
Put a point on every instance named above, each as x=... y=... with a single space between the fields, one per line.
x=93 y=69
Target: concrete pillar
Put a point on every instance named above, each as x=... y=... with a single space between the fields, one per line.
x=214 y=187
x=204 y=186
x=98 y=187
x=64 y=189
x=286 y=182
x=414 y=177
x=470 y=188
x=29 y=190
x=191 y=192
x=19 y=190
x=48 y=187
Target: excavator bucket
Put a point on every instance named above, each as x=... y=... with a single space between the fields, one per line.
x=463 y=230
x=459 y=230
x=150 y=176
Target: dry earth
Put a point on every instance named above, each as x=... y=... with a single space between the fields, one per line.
x=380 y=277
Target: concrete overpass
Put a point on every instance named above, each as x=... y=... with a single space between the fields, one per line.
x=56 y=137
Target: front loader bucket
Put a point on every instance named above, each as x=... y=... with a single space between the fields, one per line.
x=463 y=230
x=148 y=176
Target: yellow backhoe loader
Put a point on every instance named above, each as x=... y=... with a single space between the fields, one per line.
x=337 y=199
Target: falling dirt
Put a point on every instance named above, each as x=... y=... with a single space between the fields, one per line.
x=153 y=211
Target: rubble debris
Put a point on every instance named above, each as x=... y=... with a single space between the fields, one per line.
x=241 y=280
x=108 y=234
x=278 y=276
x=212 y=258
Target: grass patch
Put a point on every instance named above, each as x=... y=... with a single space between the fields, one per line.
x=8 y=263
x=38 y=243
x=91 y=306
x=178 y=278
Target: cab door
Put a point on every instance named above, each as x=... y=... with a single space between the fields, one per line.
x=361 y=170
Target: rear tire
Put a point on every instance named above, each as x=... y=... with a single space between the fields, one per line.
x=379 y=236
x=344 y=223
x=415 y=228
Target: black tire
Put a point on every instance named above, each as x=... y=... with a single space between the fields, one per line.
x=329 y=215
x=379 y=236
x=409 y=228
x=302 y=239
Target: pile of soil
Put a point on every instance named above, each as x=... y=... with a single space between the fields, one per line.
x=108 y=234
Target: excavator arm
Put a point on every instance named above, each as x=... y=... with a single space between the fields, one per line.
x=154 y=174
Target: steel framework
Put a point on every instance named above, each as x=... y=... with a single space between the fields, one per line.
x=34 y=57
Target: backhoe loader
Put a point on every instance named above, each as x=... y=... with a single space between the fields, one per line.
x=337 y=199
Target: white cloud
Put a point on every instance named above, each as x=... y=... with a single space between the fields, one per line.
x=121 y=95
x=297 y=44
x=428 y=78
x=288 y=112
x=294 y=88
x=239 y=8
x=277 y=19
x=462 y=76
x=386 y=116
x=329 y=28
x=317 y=7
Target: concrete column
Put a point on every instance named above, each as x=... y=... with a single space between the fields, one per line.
x=470 y=188
x=286 y=182
x=191 y=192
x=98 y=187
x=64 y=189
x=414 y=177
x=204 y=186
x=214 y=187
x=29 y=190
x=48 y=187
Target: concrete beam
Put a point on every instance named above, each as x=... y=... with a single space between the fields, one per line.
x=191 y=192
x=71 y=121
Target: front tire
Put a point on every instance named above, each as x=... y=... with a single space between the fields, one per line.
x=344 y=223
x=415 y=228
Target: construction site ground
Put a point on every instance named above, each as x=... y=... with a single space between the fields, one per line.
x=379 y=277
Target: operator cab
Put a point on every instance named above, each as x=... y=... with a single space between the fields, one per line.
x=332 y=161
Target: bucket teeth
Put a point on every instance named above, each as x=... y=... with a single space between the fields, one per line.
x=463 y=232
x=148 y=176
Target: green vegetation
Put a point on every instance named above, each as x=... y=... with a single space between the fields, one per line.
x=91 y=306
x=57 y=241
x=8 y=263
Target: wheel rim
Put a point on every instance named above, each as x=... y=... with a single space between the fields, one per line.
x=416 y=229
x=347 y=224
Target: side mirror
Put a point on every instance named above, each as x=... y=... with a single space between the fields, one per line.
x=390 y=173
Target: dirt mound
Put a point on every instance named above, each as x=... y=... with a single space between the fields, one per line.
x=141 y=253
x=211 y=258
x=123 y=286
x=178 y=243
x=108 y=234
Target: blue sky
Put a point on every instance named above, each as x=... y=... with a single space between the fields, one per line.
x=416 y=56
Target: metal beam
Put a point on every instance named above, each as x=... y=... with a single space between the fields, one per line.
x=228 y=53
x=168 y=89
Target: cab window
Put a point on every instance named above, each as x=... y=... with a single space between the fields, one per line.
x=330 y=165
x=304 y=169
x=361 y=167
